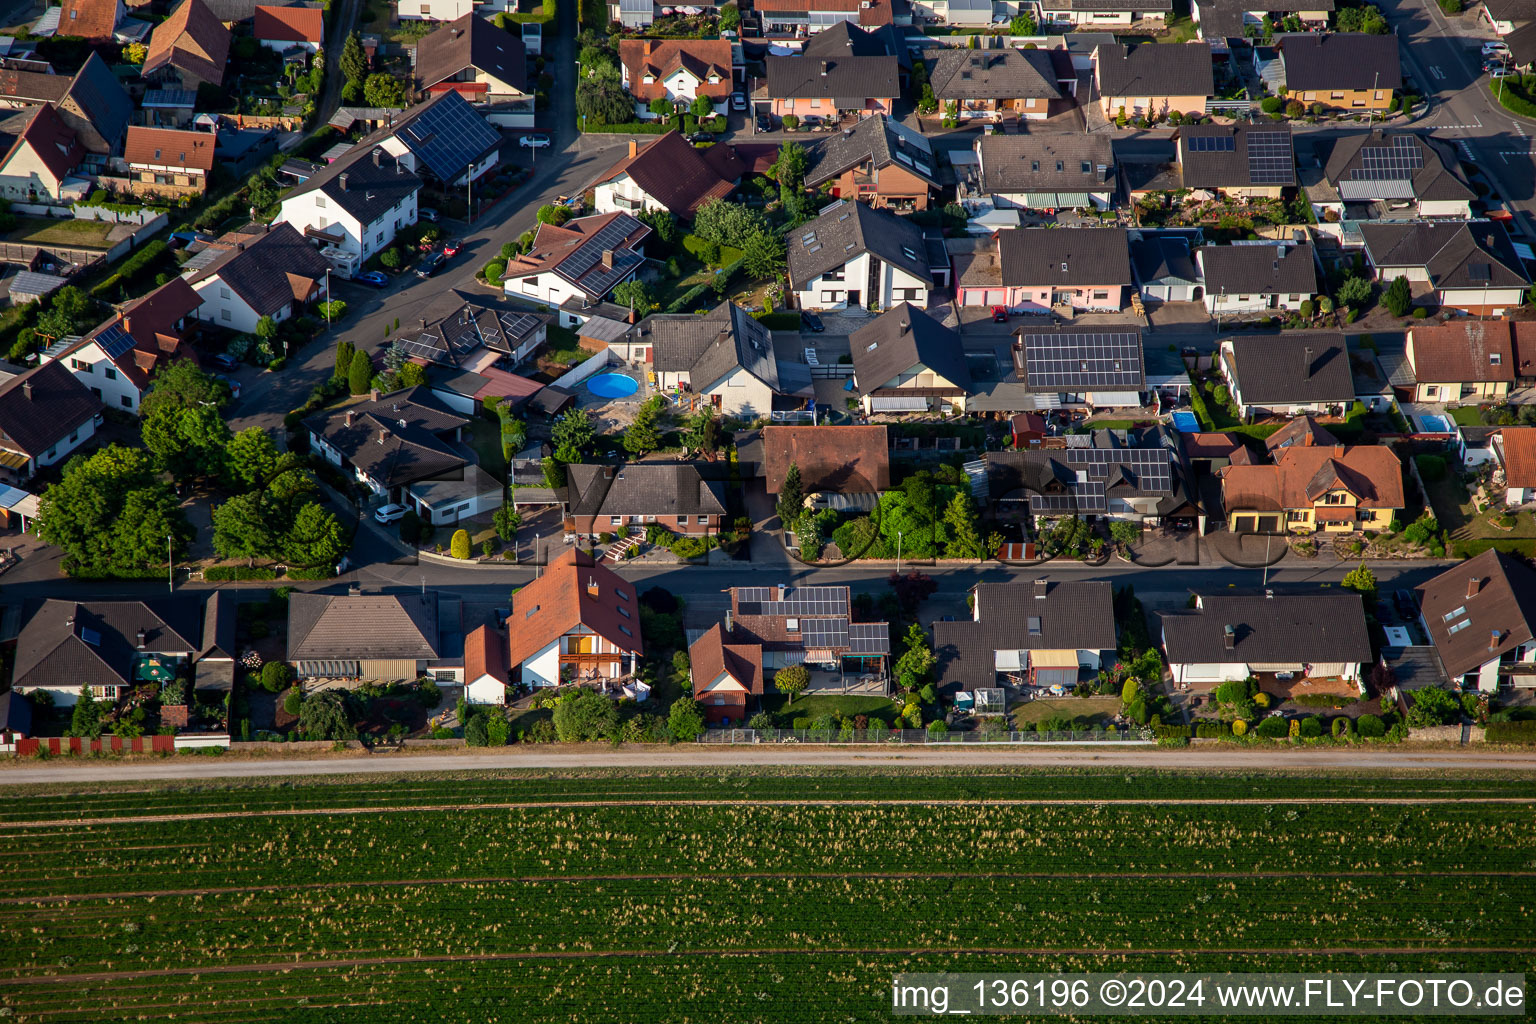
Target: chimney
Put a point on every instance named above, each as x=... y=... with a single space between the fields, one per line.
x=1040 y=588
x=634 y=147
x=240 y=247
x=1229 y=637
x=1338 y=451
x=378 y=158
x=343 y=181
x=1306 y=363
x=906 y=325
x=373 y=394
x=423 y=322
x=1493 y=640
x=350 y=417
x=26 y=390
x=383 y=435
x=633 y=316
x=1474 y=584
x=593 y=590
x=825 y=67
x=782 y=591
x=127 y=326
x=607 y=259
x=354 y=588
x=607 y=472
x=142 y=637
x=1269 y=594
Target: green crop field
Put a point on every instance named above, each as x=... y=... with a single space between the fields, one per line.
x=788 y=895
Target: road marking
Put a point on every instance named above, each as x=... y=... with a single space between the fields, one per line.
x=1434 y=69
x=1466 y=151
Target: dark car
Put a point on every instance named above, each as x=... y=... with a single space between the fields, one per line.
x=224 y=361
x=430 y=265
x=812 y=323
x=1406 y=605
x=376 y=278
x=764 y=123
x=700 y=136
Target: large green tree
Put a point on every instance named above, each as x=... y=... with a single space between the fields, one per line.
x=791 y=497
x=111 y=512
x=685 y=721
x=763 y=256
x=383 y=90
x=585 y=716
x=644 y=433
x=242 y=527
x=727 y=223
x=354 y=60
x=573 y=435
x=251 y=458
x=315 y=539
x=960 y=518
x=183 y=384
x=360 y=373
x=187 y=443
x=326 y=715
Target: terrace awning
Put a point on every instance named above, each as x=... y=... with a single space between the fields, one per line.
x=329 y=669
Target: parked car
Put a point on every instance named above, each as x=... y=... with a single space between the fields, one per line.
x=224 y=361
x=999 y=315
x=1494 y=47
x=812 y=323
x=700 y=136
x=390 y=513
x=428 y=214
x=451 y=249
x=764 y=123
x=540 y=141
x=1501 y=72
x=430 y=265
x=1407 y=607
x=738 y=101
x=373 y=278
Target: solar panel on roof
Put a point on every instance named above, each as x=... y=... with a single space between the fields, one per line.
x=1149 y=466
x=1396 y=162
x=1107 y=360
x=448 y=136
x=114 y=341
x=1269 y=158
x=1212 y=144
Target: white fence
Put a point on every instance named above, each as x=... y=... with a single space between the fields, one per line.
x=579 y=373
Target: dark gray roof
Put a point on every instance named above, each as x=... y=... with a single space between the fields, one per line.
x=847 y=229
x=1220 y=20
x=1071 y=358
x=1033 y=615
x=846 y=39
x=1335 y=60
x=1276 y=370
x=642 y=488
x=1083 y=480
x=396 y=439
x=93 y=643
x=711 y=347
x=471 y=41
x=40 y=407
x=259 y=270
x=96 y=107
x=993 y=74
x=839 y=78
x=1155 y=69
x=1046 y=163
x=1278 y=269
x=1366 y=167
x=15 y=713
x=455 y=324
x=877 y=140
x=901 y=338
x=363 y=626
x=1236 y=156
x=1163 y=259
x=1068 y=258
x=218 y=639
x=235 y=10
x=375 y=181
x=446 y=135
x=1110 y=5
x=1522 y=42
x=1284 y=629
x=1458 y=254
x=1511 y=10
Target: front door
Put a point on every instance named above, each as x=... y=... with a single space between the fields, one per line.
x=853 y=298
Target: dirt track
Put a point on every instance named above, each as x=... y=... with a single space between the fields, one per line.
x=558 y=757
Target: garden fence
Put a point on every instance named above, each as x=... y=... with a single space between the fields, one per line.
x=919 y=736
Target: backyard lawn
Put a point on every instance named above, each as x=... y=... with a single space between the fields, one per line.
x=1466 y=415
x=1096 y=710
x=811 y=705
x=1466 y=528
x=80 y=234
x=484 y=436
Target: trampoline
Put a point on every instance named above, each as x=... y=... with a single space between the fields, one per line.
x=613 y=385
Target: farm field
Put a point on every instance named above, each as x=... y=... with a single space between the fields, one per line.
x=742 y=896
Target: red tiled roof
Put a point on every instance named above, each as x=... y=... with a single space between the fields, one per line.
x=1476 y=350
x=660 y=58
x=192 y=40
x=675 y=174
x=1519 y=445
x=485 y=654
x=1370 y=472
x=168 y=147
x=88 y=19
x=51 y=139
x=562 y=599
x=151 y=322
x=1208 y=445
x=710 y=655
x=290 y=24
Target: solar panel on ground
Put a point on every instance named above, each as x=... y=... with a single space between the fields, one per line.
x=1105 y=359
x=1269 y=158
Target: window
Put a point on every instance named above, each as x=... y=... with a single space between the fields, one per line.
x=1458 y=627
x=224 y=314
x=223 y=293
x=703 y=520
x=833 y=275
x=1448 y=616
x=791 y=625
x=1087 y=167
x=1101 y=295
x=74 y=435
x=815 y=104
x=1358 y=103
x=832 y=296
x=615 y=520
x=620 y=594
x=624 y=611
x=1034 y=165
x=1294 y=298
x=81 y=366
x=682 y=520
x=1058 y=166
x=1494 y=359
x=1297 y=515
x=127 y=402
x=319 y=202
x=110 y=373
x=1034 y=625
x=1336 y=498
x=625 y=630
x=1337 y=96
x=1431 y=390
x=379 y=237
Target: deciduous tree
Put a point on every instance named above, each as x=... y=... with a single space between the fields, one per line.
x=792 y=681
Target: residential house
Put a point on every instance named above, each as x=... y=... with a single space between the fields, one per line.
x=995 y=83
x=376 y=636
x=879 y=161
x=484 y=64
x=486 y=672
x=812 y=626
x=354 y=206
x=676 y=70
x=15 y=716
x=1082 y=367
x=91 y=103
x=188 y=49
x=667 y=173
x=1296 y=636
x=1505 y=16
x=1043 y=172
x=1386 y=175
x=831 y=88
x=906 y=361
x=1515 y=450
x=443 y=139
x=1153 y=79
x=165 y=163
x=1164 y=269
x=1233 y=19
x=296 y=28
x=1303 y=431
x=1037 y=269
x=1135 y=475
x=1251 y=278
x=1239 y=160
x=1315 y=489
x=974 y=13
x=1464 y=362
x=111 y=647
x=95 y=21
x=1480 y=615
x=1037 y=633
x=407 y=447
x=1522 y=43
x=725 y=358
x=801 y=18
x=41 y=154
x=117 y=360
x=1469 y=266
x=1341 y=70
x=835 y=461
x=576 y=621
x=1288 y=374
x=630 y=497
x=45 y=414
x=582 y=259
x=474 y=347
x=1103 y=13
x=275 y=274
x=727 y=677
x=853 y=255
x=870 y=37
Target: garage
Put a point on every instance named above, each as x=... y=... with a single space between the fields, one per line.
x=1256 y=523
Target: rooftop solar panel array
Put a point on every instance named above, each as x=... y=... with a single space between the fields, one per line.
x=822 y=633
x=1396 y=162
x=1211 y=144
x=868 y=638
x=1098 y=360
x=447 y=136
x=1269 y=158
x=114 y=341
x=1087 y=499
x=799 y=601
x=587 y=258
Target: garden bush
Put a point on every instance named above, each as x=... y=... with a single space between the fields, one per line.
x=1340 y=726
x=459 y=547
x=228 y=573
x=293 y=700
x=1371 y=727
x=1273 y=728
x=275 y=676
x=1311 y=727
x=494 y=270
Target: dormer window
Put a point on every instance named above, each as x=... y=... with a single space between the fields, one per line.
x=714 y=79
x=1494 y=359
x=648 y=79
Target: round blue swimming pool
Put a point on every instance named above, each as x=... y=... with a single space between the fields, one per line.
x=613 y=385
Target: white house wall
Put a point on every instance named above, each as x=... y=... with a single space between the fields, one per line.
x=91 y=367
x=1209 y=673
x=485 y=690
x=222 y=306
x=543 y=669
x=742 y=394
x=315 y=210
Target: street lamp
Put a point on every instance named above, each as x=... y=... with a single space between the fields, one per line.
x=898 y=552
x=170 y=567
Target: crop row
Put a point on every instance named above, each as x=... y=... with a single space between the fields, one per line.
x=726 y=913
x=33 y=803
x=773 y=989
x=607 y=840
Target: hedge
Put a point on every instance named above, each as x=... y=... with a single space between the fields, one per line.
x=131 y=266
x=1511 y=732
x=778 y=321
x=227 y=573
x=1511 y=99
x=324 y=572
x=591 y=127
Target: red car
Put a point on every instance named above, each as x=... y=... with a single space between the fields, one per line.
x=999 y=315
x=451 y=248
